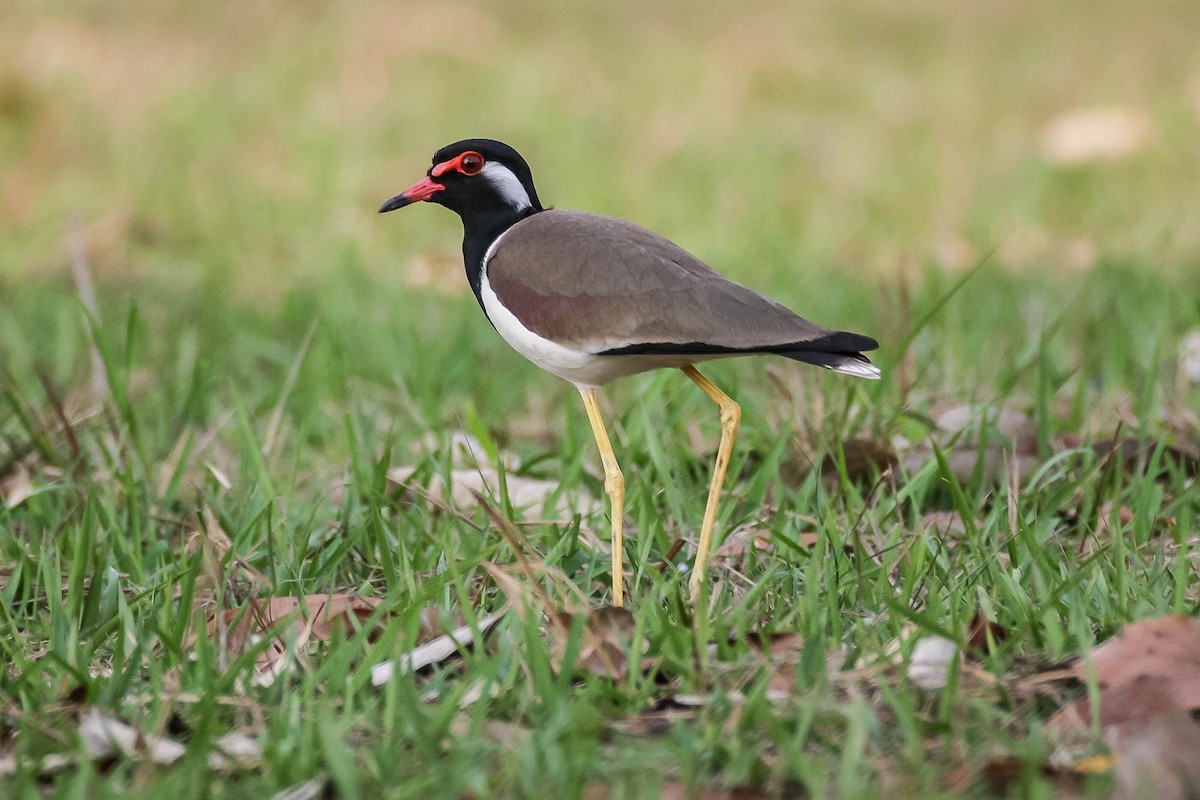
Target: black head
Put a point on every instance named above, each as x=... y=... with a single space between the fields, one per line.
x=474 y=177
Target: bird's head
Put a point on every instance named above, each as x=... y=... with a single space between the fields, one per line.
x=474 y=176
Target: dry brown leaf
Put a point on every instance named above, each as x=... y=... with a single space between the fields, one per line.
x=684 y=791
x=779 y=653
x=1136 y=455
x=655 y=722
x=743 y=539
x=464 y=449
x=16 y=488
x=1004 y=426
x=866 y=460
x=104 y=737
x=993 y=464
x=983 y=633
x=946 y=524
x=782 y=647
x=1164 y=647
x=217 y=548
x=1162 y=760
x=1155 y=744
x=1149 y=682
x=607 y=640
x=1003 y=775
x=676 y=790
x=993 y=442
x=286 y=619
x=509 y=734
x=322 y=614
x=526 y=494
x=1110 y=523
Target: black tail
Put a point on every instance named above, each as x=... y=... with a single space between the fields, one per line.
x=838 y=351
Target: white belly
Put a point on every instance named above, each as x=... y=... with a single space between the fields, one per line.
x=585 y=370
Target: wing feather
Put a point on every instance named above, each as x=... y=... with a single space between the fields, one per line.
x=602 y=284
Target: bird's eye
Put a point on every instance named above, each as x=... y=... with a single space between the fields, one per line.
x=470 y=163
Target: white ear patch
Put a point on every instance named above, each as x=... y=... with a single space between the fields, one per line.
x=507 y=184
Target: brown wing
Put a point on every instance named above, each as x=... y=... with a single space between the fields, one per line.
x=602 y=284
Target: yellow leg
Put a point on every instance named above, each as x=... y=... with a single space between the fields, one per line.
x=614 y=486
x=731 y=414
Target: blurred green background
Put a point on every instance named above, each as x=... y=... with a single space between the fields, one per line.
x=250 y=143
x=273 y=347
x=219 y=166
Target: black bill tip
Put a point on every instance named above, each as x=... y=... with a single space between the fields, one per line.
x=399 y=201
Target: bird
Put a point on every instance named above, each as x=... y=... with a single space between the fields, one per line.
x=590 y=298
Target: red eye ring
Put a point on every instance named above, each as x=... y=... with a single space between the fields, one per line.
x=470 y=163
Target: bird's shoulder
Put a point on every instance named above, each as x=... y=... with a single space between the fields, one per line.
x=554 y=249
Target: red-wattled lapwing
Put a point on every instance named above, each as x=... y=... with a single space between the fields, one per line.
x=591 y=298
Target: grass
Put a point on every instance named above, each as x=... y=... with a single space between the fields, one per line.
x=272 y=348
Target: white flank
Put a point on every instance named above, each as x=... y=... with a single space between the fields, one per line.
x=858 y=369
x=576 y=366
x=507 y=184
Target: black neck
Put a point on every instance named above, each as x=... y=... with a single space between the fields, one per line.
x=480 y=230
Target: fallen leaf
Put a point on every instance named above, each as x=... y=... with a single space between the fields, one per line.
x=686 y=791
x=1104 y=529
x=509 y=734
x=1149 y=696
x=526 y=494
x=309 y=790
x=778 y=653
x=104 y=737
x=16 y=488
x=781 y=647
x=235 y=751
x=435 y=651
x=741 y=541
x=992 y=442
x=653 y=722
x=465 y=450
x=287 y=620
x=865 y=459
x=1166 y=648
x=1136 y=456
x=1162 y=760
x=607 y=639
x=947 y=524
x=997 y=425
x=983 y=633
x=1003 y=775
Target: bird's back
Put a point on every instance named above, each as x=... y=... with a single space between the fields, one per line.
x=602 y=284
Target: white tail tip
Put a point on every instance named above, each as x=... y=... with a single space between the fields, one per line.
x=858 y=369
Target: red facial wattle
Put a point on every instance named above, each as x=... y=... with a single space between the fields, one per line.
x=468 y=163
